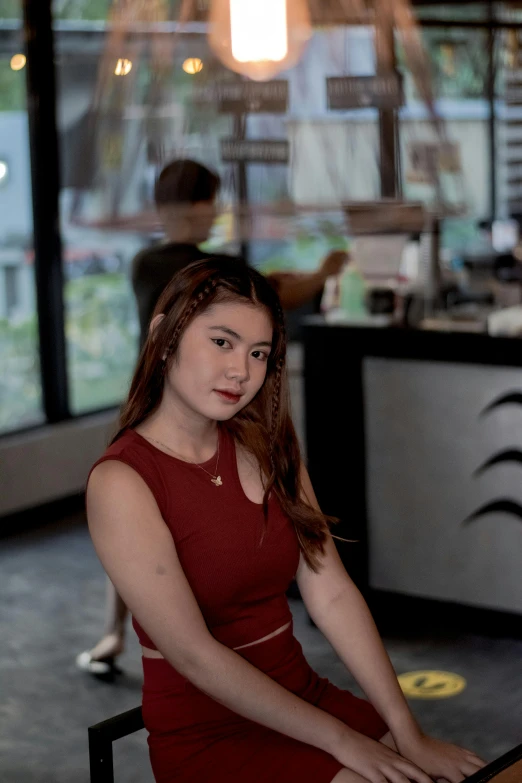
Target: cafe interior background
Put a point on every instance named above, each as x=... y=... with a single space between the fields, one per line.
x=388 y=129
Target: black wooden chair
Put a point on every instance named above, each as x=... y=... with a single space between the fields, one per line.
x=506 y=769
x=101 y=737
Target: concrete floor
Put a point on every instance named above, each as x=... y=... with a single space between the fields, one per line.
x=52 y=590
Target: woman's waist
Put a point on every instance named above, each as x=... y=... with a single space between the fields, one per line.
x=251 y=624
x=269 y=655
x=153 y=652
x=248 y=625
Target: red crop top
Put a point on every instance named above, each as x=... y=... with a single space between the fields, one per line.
x=239 y=585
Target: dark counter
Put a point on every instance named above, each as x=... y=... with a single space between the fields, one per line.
x=395 y=417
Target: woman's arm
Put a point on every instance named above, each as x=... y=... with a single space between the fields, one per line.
x=340 y=612
x=297 y=288
x=349 y=627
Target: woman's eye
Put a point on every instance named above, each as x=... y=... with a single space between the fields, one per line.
x=220 y=342
x=260 y=355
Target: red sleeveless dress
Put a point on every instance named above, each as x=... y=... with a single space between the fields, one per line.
x=240 y=587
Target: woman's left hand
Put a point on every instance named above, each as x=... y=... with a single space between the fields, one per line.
x=440 y=760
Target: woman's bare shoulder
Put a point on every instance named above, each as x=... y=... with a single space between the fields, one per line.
x=114 y=481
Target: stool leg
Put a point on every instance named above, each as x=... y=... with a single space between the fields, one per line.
x=100 y=758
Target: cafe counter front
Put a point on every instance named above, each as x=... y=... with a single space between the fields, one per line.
x=414 y=440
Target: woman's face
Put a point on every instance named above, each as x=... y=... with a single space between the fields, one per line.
x=221 y=361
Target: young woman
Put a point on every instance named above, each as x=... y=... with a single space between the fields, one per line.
x=202 y=513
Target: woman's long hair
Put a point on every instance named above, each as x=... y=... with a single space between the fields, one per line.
x=264 y=427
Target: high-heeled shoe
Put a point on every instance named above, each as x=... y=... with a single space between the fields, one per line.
x=103 y=668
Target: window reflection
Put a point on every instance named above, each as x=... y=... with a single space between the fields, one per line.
x=20 y=390
x=460 y=72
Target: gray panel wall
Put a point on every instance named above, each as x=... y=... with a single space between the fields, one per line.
x=425 y=439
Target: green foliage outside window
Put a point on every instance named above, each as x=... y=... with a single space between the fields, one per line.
x=81 y=9
x=10 y=9
x=460 y=67
x=20 y=378
x=62 y=9
x=12 y=88
x=102 y=339
x=458 y=63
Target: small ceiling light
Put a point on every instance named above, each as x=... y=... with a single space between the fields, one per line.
x=4 y=171
x=123 y=67
x=18 y=62
x=192 y=65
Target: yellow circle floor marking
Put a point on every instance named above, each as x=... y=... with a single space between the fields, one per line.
x=431 y=684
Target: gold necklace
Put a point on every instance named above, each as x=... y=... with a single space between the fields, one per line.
x=216 y=479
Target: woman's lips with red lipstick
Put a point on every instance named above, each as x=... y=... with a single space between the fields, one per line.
x=229 y=396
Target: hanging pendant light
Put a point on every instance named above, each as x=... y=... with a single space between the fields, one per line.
x=259 y=38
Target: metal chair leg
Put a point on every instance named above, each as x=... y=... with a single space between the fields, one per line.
x=100 y=758
x=101 y=737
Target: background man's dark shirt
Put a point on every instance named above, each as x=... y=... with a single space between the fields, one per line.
x=153 y=268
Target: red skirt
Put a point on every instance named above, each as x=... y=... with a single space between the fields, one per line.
x=194 y=739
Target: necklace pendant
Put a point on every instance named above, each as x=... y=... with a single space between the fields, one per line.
x=217 y=481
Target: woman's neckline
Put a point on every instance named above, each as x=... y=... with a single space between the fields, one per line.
x=235 y=467
x=178 y=459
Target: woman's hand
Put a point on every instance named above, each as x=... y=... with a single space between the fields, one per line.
x=374 y=761
x=441 y=760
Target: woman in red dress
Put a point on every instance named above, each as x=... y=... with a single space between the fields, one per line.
x=202 y=514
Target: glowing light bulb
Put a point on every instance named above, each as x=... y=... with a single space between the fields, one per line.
x=259 y=38
x=18 y=62
x=258 y=33
x=123 y=67
x=4 y=170
x=192 y=65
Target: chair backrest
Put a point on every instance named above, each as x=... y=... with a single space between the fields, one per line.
x=101 y=737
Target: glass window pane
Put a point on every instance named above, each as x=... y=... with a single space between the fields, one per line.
x=458 y=62
x=125 y=108
x=81 y=9
x=465 y=12
x=20 y=388
x=100 y=320
x=334 y=154
x=508 y=125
